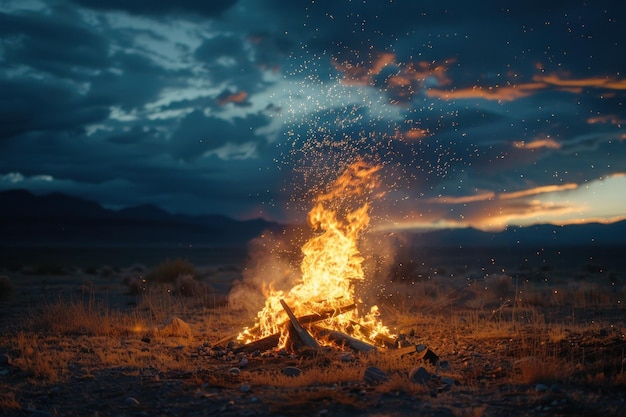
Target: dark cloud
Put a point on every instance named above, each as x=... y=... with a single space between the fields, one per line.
x=189 y=104
x=199 y=134
x=59 y=44
x=39 y=105
x=161 y=7
x=132 y=81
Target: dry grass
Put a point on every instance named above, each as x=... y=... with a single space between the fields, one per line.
x=536 y=330
x=8 y=402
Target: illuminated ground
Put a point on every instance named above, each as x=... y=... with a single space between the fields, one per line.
x=559 y=350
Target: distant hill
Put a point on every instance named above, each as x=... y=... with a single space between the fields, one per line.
x=59 y=219
x=590 y=234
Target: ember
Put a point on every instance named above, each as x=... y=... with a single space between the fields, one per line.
x=331 y=265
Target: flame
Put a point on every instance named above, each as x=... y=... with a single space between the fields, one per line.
x=332 y=262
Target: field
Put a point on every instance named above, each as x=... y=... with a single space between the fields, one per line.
x=90 y=332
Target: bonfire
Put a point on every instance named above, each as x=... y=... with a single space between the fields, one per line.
x=332 y=264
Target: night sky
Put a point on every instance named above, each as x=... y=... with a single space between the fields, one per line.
x=482 y=114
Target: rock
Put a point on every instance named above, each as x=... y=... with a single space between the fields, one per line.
x=244 y=388
x=449 y=382
x=40 y=413
x=131 y=402
x=347 y=357
x=292 y=371
x=556 y=388
x=445 y=365
x=234 y=371
x=174 y=327
x=5 y=360
x=419 y=375
x=541 y=388
x=375 y=375
x=243 y=362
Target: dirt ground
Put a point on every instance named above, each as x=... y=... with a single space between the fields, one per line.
x=505 y=345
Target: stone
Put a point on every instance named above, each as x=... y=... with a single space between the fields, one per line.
x=449 y=382
x=375 y=375
x=4 y=360
x=174 y=327
x=40 y=413
x=292 y=371
x=234 y=371
x=243 y=362
x=347 y=357
x=131 y=402
x=541 y=388
x=244 y=388
x=419 y=375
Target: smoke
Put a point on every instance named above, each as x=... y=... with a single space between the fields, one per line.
x=273 y=263
x=380 y=252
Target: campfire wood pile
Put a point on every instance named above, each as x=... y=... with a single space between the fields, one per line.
x=304 y=332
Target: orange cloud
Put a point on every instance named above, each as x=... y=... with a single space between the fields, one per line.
x=610 y=118
x=595 y=82
x=504 y=93
x=359 y=74
x=538 y=143
x=238 y=98
x=537 y=190
x=412 y=134
x=489 y=195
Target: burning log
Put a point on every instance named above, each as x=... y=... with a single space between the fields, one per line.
x=263 y=344
x=389 y=342
x=304 y=320
x=344 y=339
x=304 y=336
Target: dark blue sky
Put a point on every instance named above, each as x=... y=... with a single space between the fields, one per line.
x=482 y=114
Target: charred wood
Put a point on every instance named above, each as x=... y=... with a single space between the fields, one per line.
x=344 y=339
x=297 y=330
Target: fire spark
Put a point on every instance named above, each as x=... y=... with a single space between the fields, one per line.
x=331 y=265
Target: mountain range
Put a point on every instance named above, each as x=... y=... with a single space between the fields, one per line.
x=60 y=219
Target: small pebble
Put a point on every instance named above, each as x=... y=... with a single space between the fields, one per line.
x=131 y=402
x=234 y=371
x=40 y=413
x=4 y=360
x=375 y=375
x=292 y=371
x=419 y=375
x=244 y=388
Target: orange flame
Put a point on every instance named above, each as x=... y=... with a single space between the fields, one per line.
x=331 y=263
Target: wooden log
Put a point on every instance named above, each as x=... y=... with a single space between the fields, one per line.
x=308 y=319
x=418 y=352
x=389 y=342
x=326 y=314
x=344 y=339
x=263 y=344
x=300 y=331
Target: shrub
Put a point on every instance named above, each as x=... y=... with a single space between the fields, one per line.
x=169 y=271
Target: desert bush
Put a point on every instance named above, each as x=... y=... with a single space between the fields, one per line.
x=7 y=289
x=136 y=285
x=85 y=317
x=7 y=400
x=35 y=359
x=49 y=268
x=169 y=271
